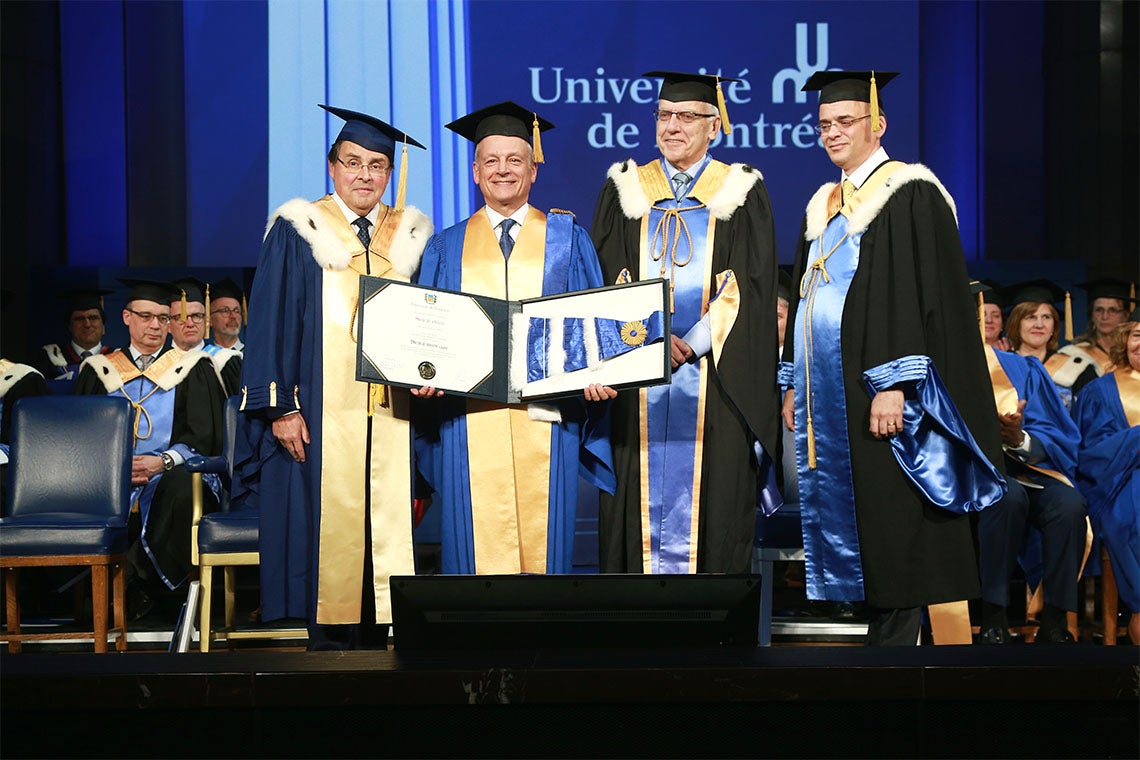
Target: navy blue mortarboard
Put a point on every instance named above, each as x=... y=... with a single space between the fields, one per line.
x=227 y=288
x=149 y=290
x=369 y=132
x=506 y=118
x=861 y=86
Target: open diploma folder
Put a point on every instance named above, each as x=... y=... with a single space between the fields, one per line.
x=513 y=351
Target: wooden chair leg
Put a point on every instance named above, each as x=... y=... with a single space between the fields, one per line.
x=231 y=596
x=119 y=602
x=11 y=575
x=205 y=573
x=99 y=606
x=1109 y=599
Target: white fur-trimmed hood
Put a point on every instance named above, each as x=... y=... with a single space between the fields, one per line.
x=12 y=373
x=817 y=217
x=112 y=380
x=329 y=252
x=731 y=194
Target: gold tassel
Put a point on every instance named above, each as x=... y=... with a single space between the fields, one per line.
x=539 y=158
x=183 y=318
x=723 y=109
x=1068 y=318
x=402 y=186
x=1131 y=292
x=874 y=104
x=811 y=444
x=207 y=310
x=982 y=316
x=244 y=311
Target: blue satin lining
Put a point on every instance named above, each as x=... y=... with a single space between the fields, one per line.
x=671 y=420
x=935 y=448
x=610 y=343
x=834 y=568
x=574 y=344
x=537 y=349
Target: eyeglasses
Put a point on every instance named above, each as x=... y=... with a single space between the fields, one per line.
x=229 y=312
x=1108 y=311
x=686 y=117
x=376 y=169
x=91 y=318
x=197 y=319
x=841 y=124
x=147 y=317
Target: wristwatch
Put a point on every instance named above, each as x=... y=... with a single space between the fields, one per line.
x=167 y=461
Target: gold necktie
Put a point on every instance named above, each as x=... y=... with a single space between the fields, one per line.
x=848 y=191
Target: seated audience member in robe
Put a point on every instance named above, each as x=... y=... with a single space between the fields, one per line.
x=1040 y=442
x=886 y=355
x=1034 y=329
x=178 y=399
x=995 y=317
x=86 y=326
x=227 y=314
x=188 y=326
x=688 y=454
x=506 y=475
x=1108 y=467
x=1109 y=301
x=331 y=460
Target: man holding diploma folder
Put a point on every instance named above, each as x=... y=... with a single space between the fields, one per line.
x=506 y=475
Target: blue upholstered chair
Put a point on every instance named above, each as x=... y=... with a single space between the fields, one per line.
x=68 y=499
x=227 y=538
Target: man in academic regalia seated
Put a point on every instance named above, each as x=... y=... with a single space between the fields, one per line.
x=896 y=431
x=226 y=315
x=330 y=465
x=506 y=476
x=86 y=325
x=189 y=319
x=177 y=397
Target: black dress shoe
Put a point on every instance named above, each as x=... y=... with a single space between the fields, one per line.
x=994 y=635
x=1054 y=635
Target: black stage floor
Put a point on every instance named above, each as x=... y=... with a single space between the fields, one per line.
x=1016 y=701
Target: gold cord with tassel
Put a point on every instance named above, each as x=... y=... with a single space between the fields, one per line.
x=244 y=310
x=539 y=158
x=982 y=316
x=207 y=310
x=722 y=107
x=402 y=185
x=183 y=317
x=874 y=104
x=1068 y=317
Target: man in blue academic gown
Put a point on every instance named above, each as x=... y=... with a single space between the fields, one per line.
x=330 y=459
x=507 y=475
x=178 y=400
x=896 y=430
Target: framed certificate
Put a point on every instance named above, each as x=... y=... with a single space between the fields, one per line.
x=513 y=351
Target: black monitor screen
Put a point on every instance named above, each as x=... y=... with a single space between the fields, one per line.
x=457 y=612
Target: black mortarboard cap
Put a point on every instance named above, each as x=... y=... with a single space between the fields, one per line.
x=149 y=290
x=980 y=290
x=194 y=289
x=1034 y=291
x=784 y=285
x=992 y=292
x=83 y=299
x=678 y=87
x=369 y=132
x=506 y=118
x=226 y=288
x=1109 y=287
x=835 y=86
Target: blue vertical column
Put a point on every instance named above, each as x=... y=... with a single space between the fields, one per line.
x=94 y=131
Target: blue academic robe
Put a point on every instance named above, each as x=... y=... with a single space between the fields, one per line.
x=1108 y=471
x=455 y=459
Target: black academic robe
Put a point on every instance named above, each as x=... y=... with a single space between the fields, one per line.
x=197 y=423
x=17 y=381
x=909 y=296
x=738 y=408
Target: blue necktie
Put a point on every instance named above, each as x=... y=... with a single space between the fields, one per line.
x=362 y=225
x=506 y=242
x=680 y=183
